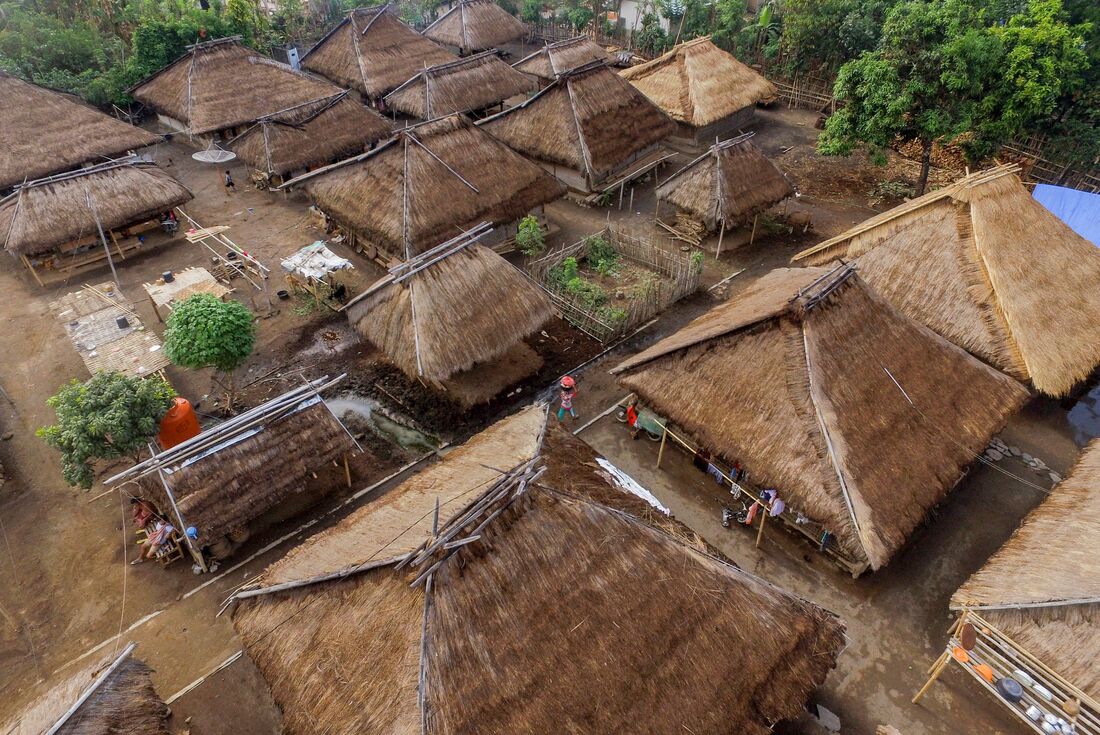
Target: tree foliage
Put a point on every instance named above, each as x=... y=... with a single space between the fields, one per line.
x=529 y=238
x=205 y=331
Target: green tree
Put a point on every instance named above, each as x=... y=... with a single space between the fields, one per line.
x=729 y=19
x=830 y=32
x=529 y=238
x=205 y=331
x=651 y=38
x=531 y=11
x=246 y=20
x=107 y=417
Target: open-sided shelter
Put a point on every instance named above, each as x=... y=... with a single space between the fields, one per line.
x=475 y=25
x=989 y=268
x=471 y=84
x=427 y=184
x=513 y=587
x=588 y=128
x=373 y=52
x=860 y=418
x=708 y=92
x=217 y=88
x=560 y=57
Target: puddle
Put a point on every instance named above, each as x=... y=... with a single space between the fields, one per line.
x=1084 y=417
x=331 y=340
x=374 y=415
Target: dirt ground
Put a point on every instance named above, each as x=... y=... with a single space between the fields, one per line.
x=65 y=592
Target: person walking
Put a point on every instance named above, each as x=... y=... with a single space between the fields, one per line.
x=568 y=392
x=230 y=187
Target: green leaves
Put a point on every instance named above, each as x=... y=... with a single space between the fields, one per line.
x=204 y=331
x=529 y=237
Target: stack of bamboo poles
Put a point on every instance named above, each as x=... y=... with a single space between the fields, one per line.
x=687 y=229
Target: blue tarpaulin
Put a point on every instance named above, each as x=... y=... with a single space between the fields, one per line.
x=1078 y=209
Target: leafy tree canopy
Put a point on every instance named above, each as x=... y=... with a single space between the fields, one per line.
x=205 y=331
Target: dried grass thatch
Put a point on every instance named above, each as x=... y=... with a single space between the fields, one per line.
x=989 y=268
x=469 y=84
x=44 y=132
x=221 y=84
x=310 y=134
x=44 y=214
x=697 y=83
x=728 y=185
x=475 y=25
x=796 y=379
x=428 y=184
x=589 y=120
x=561 y=57
x=372 y=51
x=557 y=591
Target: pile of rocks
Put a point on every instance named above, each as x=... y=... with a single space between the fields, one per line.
x=998 y=450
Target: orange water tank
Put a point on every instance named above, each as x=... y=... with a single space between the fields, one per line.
x=178 y=425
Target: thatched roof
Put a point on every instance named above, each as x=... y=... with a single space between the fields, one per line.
x=440 y=313
x=120 y=701
x=542 y=592
x=307 y=135
x=807 y=378
x=729 y=184
x=429 y=183
x=372 y=51
x=697 y=83
x=475 y=25
x=44 y=132
x=589 y=119
x=222 y=84
x=989 y=268
x=561 y=57
x=41 y=215
x=473 y=83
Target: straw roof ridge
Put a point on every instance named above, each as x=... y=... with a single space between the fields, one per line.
x=471 y=83
x=475 y=25
x=561 y=57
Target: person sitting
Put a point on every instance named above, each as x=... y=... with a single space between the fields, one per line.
x=158 y=537
x=141 y=512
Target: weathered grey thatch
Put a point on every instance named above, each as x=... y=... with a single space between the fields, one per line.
x=992 y=270
x=44 y=132
x=475 y=25
x=560 y=589
x=372 y=51
x=220 y=85
x=469 y=84
x=311 y=134
x=861 y=418
x=561 y=57
x=45 y=214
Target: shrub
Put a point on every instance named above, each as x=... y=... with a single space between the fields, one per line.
x=529 y=238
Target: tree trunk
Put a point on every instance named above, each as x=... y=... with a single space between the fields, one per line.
x=925 y=164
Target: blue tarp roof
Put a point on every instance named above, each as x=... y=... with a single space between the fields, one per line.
x=1078 y=209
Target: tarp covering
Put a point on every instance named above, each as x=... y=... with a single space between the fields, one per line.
x=315 y=261
x=1078 y=209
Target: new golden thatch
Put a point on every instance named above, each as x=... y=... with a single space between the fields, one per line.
x=526 y=595
x=992 y=270
x=466 y=85
x=44 y=132
x=475 y=25
x=561 y=57
x=430 y=183
x=218 y=86
x=705 y=90
x=308 y=135
x=585 y=128
x=728 y=185
x=43 y=215
x=372 y=51
x=861 y=418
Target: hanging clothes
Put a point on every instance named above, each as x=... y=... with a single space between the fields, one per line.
x=778 y=506
x=751 y=515
x=716 y=473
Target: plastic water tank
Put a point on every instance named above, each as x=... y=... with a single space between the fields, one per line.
x=178 y=425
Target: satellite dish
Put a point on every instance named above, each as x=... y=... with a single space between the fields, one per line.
x=214 y=154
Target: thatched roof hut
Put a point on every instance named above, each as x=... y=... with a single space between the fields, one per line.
x=585 y=128
x=514 y=543
x=43 y=215
x=989 y=268
x=728 y=185
x=310 y=134
x=475 y=25
x=44 y=132
x=469 y=84
x=219 y=86
x=429 y=183
x=561 y=57
x=708 y=92
x=372 y=51
x=861 y=418
x=113 y=695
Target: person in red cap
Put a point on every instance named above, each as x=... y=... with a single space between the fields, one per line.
x=568 y=391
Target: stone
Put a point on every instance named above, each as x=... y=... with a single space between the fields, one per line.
x=1027 y=458
x=1055 y=477
x=1014 y=451
x=7 y=435
x=827 y=719
x=994 y=455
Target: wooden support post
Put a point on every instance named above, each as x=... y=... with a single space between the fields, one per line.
x=763 y=517
x=937 y=669
x=661 y=452
x=622 y=187
x=34 y=273
x=632 y=199
x=752 y=237
x=347 y=471
x=721 y=234
x=118 y=247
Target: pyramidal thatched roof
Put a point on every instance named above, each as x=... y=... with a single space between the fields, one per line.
x=44 y=132
x=310 y=134
x=372 y=51
x=428 y=184
x=475 y=25
x=697 y=83
x=588 y=119
x=472 y=83
x=46 y=213
x=561 y=57
x=861 y=418
x=222 y=84
x=542 y=578
x=989 y=268
x=728 y=184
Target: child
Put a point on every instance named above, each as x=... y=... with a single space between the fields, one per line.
x=229 y=185
x=568 y=392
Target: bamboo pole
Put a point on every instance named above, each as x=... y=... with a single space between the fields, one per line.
x=752 y=237
x=661 y=452
x=941 y=664
x=34 y=273
x=763 y=518
x=347 y=471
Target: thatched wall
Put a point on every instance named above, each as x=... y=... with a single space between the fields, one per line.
x=473 y=83
x=475 y=25
x=561 y=57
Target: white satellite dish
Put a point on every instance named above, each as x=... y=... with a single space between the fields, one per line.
x=214 y=154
